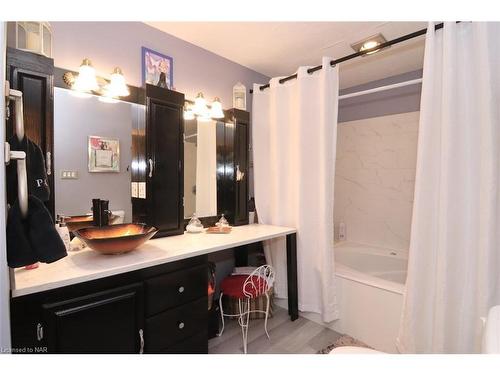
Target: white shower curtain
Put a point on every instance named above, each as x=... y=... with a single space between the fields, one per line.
x=454 y=264
x=206 y=169
x=294 y=138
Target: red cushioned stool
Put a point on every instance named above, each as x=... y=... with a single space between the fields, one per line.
x=245 y=288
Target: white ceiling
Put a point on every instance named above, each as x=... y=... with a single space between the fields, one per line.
x=278 y=48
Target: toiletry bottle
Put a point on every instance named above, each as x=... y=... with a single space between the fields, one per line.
x=104 y=212
x=63 y=231
x=96 y=212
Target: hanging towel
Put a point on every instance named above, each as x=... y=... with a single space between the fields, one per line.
x=35 y=168
x=33 y=239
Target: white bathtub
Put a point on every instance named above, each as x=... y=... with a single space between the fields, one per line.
x=370 y=284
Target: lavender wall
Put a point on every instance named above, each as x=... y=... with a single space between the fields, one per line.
x=110 y=44
x=383 y=103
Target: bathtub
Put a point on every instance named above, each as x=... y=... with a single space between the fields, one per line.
x=370 y=284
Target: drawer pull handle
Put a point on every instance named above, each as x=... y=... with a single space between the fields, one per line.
x=39 y=332
x=181 y=289
x=141 y=336
x=181 y=325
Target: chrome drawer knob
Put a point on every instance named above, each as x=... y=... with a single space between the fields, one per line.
x=181 y=289
x=181 y=325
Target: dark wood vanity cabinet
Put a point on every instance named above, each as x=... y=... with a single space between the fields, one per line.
x=102 y=322
x=161 y=309
x=33 y=74
x=233 y=137
x=163 y=174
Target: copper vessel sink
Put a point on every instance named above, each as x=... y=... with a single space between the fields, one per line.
x=83 y=221
x=116 y=239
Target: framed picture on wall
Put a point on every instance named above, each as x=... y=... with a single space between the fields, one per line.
x=157 y=69
x=104 y=154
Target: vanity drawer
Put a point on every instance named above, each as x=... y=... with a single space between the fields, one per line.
x=176 y=288
x=197 y=344
x=173 y=326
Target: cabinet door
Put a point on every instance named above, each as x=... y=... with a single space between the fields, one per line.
x=106 y=322
x=34 y=75
x=241 y=172
x=165 y=149
x=233 y=166
x=225 y=168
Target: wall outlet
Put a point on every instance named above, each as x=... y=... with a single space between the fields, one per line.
x=142 y=190
x=342 y=235
x=135 y=190
x=69 y=175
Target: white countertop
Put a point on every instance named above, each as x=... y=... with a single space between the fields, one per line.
x=86 y=265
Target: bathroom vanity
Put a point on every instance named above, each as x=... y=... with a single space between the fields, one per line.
x=151 y=300
x=153 y=167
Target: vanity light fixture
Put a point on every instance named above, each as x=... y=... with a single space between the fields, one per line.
x=369 y=43
x=205 y=117
x=86 y=82
x=199 y=109
x=117 y=86
x=200 y=105
x=216 y=109
x=188 y=112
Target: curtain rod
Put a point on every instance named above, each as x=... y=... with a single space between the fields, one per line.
x=357 y=54
x=381 y=88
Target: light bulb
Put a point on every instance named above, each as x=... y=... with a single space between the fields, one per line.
x=200 y=105
x=369 y=44
x=216 y=109
x=117 y=86
x=86 y=80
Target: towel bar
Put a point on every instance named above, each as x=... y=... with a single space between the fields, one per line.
x=18 y=156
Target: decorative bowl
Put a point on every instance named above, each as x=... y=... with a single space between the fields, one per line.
x=84 y=221
x=116 y=239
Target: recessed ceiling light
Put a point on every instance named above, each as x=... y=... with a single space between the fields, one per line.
x=369 y=43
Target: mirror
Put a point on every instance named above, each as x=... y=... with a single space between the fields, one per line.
x=93 y=157
x=200 y=168
x=92 y=153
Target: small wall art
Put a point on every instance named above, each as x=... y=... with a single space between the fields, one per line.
x=104 y=154
x=157 y=69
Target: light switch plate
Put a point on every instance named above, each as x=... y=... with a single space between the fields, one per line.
x=69 y=175
x=135 y=190
x=142 y=190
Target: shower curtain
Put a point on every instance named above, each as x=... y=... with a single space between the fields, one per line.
x=294 y=138
x=454 y=264
x=206 y=170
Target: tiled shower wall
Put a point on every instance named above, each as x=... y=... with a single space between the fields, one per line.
x=375 y=179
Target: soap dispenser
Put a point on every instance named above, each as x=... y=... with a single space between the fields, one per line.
x=63 y=231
